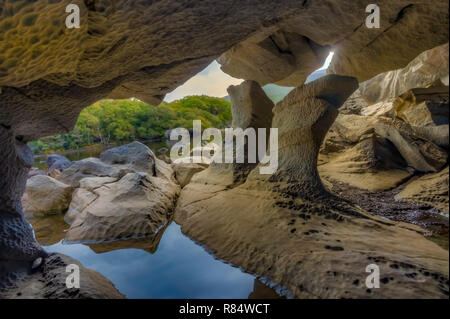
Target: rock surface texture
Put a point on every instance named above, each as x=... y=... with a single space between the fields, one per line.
x=128 y=193
x=319 y=245
x=45 y=195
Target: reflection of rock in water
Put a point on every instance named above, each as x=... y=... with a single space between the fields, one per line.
x=149 y=244
x=49 y=230
x=49 y=281
x=262 y=291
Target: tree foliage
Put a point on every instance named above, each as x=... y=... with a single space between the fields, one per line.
x=122 y=121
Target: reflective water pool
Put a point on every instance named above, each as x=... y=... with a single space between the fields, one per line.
x=169 y=266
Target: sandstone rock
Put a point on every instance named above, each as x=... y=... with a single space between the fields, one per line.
x=423 y=107
x=34 y=171
x=135 y=156
x=184 y=172
x=427 y=111
x=50 y=283
x=348 y=130
x=422 y=155
x=48 y=76
x=135 y=206
x=250 y=106
x=282 y=58
x=128 y=193
x=46 y=195
x=90 y=167
x=303 y=119
x=81 y=198
x=430 y=189
x=299 y=244
x=353 y=104
x=373 y=164
x=427 y=68
x=56 y=164
x=287 y=228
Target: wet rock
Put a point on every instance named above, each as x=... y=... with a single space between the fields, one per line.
x=46 y=195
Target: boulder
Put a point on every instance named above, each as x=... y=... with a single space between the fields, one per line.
x=127 y=193
x=46 y=195
x=56 y=164
x=427 y=111
x=90 y=167
x=136 y=206
x=287 y=228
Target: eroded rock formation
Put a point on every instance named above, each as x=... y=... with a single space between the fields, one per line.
x=17 y=242
x=50 y=283
x=145 y=49
x=319 y=245
x=128 y=193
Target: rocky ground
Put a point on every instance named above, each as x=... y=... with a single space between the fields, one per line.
x=385 y=204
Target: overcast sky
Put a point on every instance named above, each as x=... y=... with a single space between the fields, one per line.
x=213 y=82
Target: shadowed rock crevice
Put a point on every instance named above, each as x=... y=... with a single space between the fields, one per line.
x=17 y=242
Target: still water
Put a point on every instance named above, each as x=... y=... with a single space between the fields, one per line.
x=172 y=267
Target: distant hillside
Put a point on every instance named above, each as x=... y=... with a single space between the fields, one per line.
x=277 y=93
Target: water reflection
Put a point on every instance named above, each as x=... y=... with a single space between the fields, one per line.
x=176 y=268
x=50 y=229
